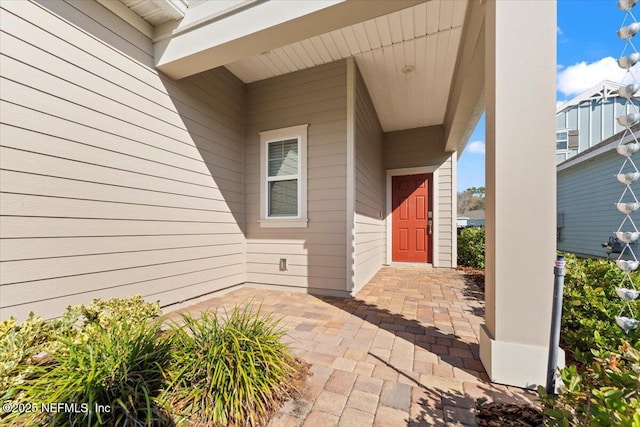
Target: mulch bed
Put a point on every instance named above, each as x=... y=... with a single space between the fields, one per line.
x=475 y=274
x=493 y=414
x=507 y=415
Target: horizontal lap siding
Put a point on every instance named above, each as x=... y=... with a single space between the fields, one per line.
x=446 y=191
x=315 y=255
x=370 y=242
x=115 y=180
x=587 y=193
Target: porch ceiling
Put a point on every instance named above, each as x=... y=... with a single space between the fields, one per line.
x=438 y=43
x=426 y=36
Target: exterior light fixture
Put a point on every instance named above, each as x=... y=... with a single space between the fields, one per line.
x=408 y=69
x=626 y=4
x=629 y=60
x=625 y=33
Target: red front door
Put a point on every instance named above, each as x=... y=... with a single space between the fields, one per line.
x=410 y=219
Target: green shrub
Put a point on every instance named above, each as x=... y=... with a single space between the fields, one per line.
x=471 y=247
x=602 y=390
x=590 y=305
x=230 y=370
x=23 y=346
x=108 y=353
x=605 y=394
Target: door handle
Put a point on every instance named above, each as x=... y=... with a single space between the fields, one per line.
x=430 y=227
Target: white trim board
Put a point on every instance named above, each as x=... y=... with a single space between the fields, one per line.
x=351 y=173
x=434 y=194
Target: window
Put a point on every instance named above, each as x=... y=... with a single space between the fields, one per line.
x=283 y=177
x=562 y=140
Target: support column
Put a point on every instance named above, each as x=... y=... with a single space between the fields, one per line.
x=520 y=92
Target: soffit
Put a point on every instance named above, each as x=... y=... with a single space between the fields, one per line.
x=158 y=12
x=426 y=36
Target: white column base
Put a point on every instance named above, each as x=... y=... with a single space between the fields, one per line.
x=515 y=364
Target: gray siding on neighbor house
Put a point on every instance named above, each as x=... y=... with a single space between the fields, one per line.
x=425 y=147
x=115 y=180
x=587 y=192
x=369 y=231
x=316 y=255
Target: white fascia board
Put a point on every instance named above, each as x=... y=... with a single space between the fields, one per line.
x=207 y=39
x=204 y=35
x=587 y=94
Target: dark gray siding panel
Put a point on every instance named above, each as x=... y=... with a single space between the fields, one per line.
x=587 y=193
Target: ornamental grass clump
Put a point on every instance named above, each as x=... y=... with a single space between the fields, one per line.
x=231 y=369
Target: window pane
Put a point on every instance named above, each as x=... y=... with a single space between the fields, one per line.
x=283 y=157
x=283 y=198
x=561 y=145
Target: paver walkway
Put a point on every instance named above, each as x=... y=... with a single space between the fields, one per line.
x=403 y=352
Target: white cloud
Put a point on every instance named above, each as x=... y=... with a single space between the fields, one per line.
x=559 y=102
x=476 y=147
x=560 y=32
x=577 y=78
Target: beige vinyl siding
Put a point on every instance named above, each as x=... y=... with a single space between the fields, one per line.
x=115 y=180
x=425 y=147
x=446 y=193
x=316 y=255
x=414 y=148
x=370 y=230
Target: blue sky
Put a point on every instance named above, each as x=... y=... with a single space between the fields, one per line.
x=587 y=46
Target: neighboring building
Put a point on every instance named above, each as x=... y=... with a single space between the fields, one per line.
x=179 y=148
x=589 y=118
x=587 y=193
x=474 y=218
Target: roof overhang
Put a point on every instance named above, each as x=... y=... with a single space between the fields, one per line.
x=189 y=49
x=422 y=60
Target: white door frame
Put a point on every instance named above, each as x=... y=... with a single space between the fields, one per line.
x=434 y=197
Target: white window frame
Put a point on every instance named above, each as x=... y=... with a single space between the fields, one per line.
x=566 y=149
x=300 y=220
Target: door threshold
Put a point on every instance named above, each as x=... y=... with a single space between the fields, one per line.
x=425 y=265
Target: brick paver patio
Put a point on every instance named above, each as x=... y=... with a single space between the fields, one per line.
x=403 y=352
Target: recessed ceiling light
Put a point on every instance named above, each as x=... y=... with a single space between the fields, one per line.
x=408 y=69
